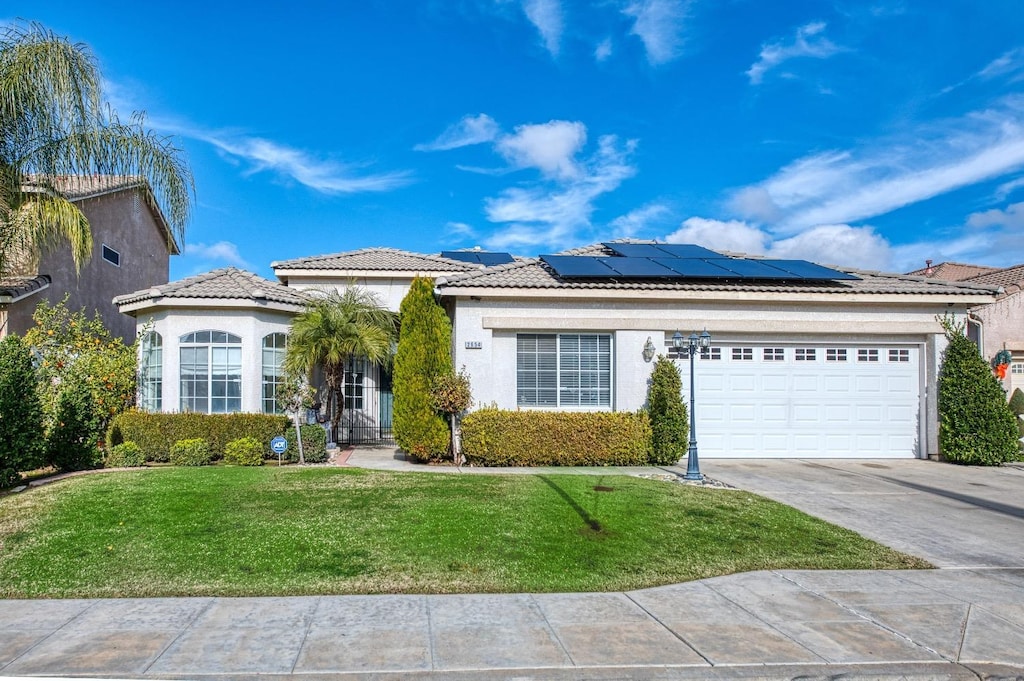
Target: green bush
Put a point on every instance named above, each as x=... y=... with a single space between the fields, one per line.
x=496 y=437
x=976 y=425
x=191 y=452
x=21 y=416
x=669 y=427
x=424 y=354
x=154 y=432
x=314 y=444
x=245 y=451
x=72 y=443
x=125 y=455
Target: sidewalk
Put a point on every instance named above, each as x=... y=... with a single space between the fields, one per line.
x=955 y=624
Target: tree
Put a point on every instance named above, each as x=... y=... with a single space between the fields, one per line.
x=451 y=394
x=21 y=417
x=975 y=424
x=669 y=427
x=54 y=124
x=334 y=329
x=424 y=354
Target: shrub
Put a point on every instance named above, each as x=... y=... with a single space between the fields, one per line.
x=125 y=455
x=669 y=428
x=314 y=444
x=245 y=451
x=154 y=432
x=72 y=443
x=21 y=415
x=1017 y=407
x=424 y=354
x=496 y=437
x=191 y=452
x=976 y=425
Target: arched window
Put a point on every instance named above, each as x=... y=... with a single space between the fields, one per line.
x=151 y=372
x=211 y=372
x=273 y=371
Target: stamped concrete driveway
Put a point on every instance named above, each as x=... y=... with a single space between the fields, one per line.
x=952 y=516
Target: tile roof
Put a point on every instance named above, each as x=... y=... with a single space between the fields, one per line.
x=953 y=271
x=77 y=187
x=535 y=274
x=384 y=259
x=16 y=288
x=228 y=283
x=1009 y=277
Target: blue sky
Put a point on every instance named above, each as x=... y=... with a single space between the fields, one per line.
x=869 y=134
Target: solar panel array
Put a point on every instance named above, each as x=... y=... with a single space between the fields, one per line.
x=684 y=261
x=485 y=258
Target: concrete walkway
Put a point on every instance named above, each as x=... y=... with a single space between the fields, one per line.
x=930 y=624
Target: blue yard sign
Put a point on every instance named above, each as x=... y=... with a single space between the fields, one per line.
x=279 y=446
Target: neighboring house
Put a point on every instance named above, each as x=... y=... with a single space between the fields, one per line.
x=131 y=248
x=998 y=325
x=828 y=365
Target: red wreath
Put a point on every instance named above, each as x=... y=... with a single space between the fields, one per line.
x=1000 y=363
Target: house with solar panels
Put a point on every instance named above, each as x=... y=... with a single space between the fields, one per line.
x=805 y=360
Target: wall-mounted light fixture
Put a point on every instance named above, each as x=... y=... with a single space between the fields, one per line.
x=649 y=350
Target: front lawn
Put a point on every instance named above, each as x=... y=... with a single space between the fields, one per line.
x=289 y=531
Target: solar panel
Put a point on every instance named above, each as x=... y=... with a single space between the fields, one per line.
x=461 y=256
x=491 y=259
x=635 y=250
x=750 y=269
x=687 y=251
x=637 y=268
x=696 y=268
x=808 y=270
x=578 y=266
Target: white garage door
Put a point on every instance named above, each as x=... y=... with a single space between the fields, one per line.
x=808 y=401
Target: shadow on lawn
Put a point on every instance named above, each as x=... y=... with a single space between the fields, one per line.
x=592 y=522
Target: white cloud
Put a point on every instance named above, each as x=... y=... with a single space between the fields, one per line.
x=719 y=235
x=460 y=229
x=553 y=215
x=220 y=252
x=603 y=50
x=637 y=221
x=546 y=16
x=468 y=131
x=550 y=147
x=808 y=42
x=1007 y=63
x=659 y=25
x=1007 y=188
x=838 y=187
x=1012 y=217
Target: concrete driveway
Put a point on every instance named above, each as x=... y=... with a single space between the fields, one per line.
x=952 y=516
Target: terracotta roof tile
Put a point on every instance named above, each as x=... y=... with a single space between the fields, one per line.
x=953 y=271
x=1007 y=277
x=17 y=288
x=228 y=283
x=383 y=259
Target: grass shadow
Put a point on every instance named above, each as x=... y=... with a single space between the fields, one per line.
x=591 y=522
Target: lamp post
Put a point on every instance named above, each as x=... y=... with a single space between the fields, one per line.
x=695 y=342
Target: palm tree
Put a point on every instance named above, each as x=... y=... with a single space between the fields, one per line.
x=332 y=330
x=54 y=125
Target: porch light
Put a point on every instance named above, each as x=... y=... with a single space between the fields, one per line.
x=693 y=344
x=649 y=350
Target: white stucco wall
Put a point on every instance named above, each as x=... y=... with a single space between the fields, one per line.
x=390 y=290
x=251 y=325
x=1003 y=328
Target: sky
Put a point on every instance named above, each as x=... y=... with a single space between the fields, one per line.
x=864 y=134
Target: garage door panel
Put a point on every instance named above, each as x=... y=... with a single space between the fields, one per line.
x=836 y=384
x=868 y=384
x=803 y=383
x=775 y=383
x=742 y=383
x=806 y=414
x=774 y=413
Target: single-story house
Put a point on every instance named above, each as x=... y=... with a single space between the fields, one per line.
x=805 y=361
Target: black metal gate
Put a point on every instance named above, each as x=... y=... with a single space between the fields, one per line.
x=368 y=406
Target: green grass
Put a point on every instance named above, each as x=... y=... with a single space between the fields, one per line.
x=288 y=531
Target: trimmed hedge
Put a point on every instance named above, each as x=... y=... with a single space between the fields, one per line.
x=245 y=451
x=125 y=455
x=496 y=437
x=155 y=432
x=191 y=452
x=314 y=444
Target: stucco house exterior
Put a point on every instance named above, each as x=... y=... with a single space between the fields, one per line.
x=132 y=244
x=797 y=368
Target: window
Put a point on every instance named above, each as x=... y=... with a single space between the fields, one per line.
x=899 y=355
x=111 y=256
x=835 y=355
x=273 y=372
x=563 y=370
x=151 y=367
x=865 y=355
x=774 y=354
x=711 y=353
x=806 y=355
x=211 y=372
x=355 y=372
x=743 y=354
x=1017 y=368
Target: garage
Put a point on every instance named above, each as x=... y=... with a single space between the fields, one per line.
x=820 y=400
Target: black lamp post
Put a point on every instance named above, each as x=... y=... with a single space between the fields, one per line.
x=702 y=342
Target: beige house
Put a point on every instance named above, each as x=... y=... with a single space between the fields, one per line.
x=131 y=248
x=835 y=363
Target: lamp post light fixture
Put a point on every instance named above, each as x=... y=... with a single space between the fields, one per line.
x=649 y=350
x=694 y=343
